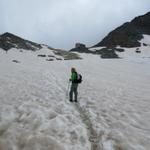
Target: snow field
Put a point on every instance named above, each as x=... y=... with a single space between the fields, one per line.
x=118 y=102
x=35 y=113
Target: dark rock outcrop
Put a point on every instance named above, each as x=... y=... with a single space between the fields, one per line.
x=103 y=52
x=129 y=34
x=16 y=61
x=107 y=53
x=41 y=55
x=66 y=55
x=8 y=41
x=49 y=59
x=81 y=48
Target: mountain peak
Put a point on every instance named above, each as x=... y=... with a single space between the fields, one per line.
x=7 y=34
x=9 y=40
x=129 y=34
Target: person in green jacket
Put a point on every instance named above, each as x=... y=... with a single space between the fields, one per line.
x=74 y=85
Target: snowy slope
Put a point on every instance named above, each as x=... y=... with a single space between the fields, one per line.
x=96 y=48
x=36 y=115
x=33 y=112
x=137 y=52
x=131 y=52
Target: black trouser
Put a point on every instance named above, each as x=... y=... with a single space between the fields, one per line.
x=73 y=89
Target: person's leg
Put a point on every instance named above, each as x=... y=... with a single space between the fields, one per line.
x=71 y=93
x=76 y=92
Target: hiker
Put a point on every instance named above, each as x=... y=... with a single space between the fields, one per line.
x=74 y=85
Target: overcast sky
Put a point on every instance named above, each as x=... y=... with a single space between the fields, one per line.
x=62 y=23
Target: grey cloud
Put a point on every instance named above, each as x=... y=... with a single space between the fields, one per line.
x=61 y=23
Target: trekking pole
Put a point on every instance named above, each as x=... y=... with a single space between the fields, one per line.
x=67 y=93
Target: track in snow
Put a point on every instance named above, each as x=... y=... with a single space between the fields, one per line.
x=94 y=138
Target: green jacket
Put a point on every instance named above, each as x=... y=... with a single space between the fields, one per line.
x=74 y=77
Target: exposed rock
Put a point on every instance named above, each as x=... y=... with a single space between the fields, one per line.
x=145 y=44
x=49 y=59
x=80 y=45
x=51 y=56
x=119 y=49
x=129 y=34
x=66 y=55
x=81 y=48
x=138 y=51
x=104 y=52
x=8 y=41
x=58 y=59
x=108 y=53
x=21 y=51
x=16 y=61
x=41 y=55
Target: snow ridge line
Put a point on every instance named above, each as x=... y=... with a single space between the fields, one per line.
x=94 y=138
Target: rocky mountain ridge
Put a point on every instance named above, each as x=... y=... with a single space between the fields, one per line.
x=129 y=34
x=8 y=41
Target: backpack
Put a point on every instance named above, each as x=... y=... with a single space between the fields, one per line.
x=79 y=78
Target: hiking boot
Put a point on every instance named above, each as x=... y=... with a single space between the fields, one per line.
x=76 y=101
x=71 y=100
